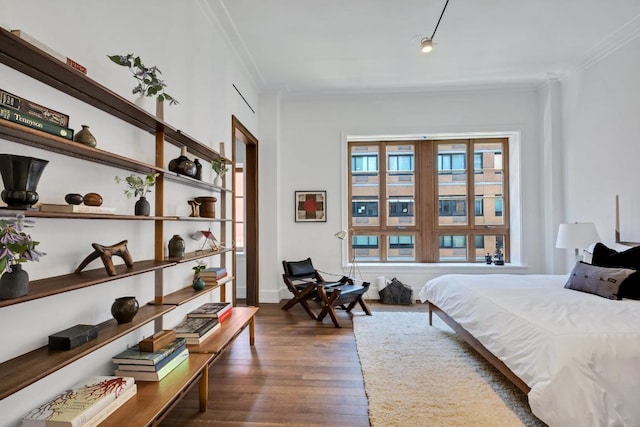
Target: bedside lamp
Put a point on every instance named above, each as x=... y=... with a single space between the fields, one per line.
x=576 y=236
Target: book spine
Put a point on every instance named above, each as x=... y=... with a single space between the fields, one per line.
x=34 y=122
x=21 y=104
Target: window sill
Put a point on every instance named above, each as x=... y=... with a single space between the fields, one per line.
x=444 y=267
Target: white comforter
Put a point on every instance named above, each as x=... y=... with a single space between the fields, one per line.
x=579 y=353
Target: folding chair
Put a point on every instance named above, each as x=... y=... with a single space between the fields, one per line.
x=305 y=283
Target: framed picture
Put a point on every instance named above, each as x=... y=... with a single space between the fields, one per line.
x=311 y=206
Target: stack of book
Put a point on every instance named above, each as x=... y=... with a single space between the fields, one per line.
x=216 y=310
x=212 y=275
x=86 y=404
x=27 y=113
x=151 y=365
x=197 y=329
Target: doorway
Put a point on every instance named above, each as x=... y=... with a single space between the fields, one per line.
x=245 y=210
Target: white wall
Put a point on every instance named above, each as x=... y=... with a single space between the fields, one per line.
x=602 y=127
x=312 y=156
x=200 y=69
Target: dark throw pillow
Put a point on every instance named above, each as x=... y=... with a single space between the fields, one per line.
x=601 y=281
x=607 y=257
x=604 y=256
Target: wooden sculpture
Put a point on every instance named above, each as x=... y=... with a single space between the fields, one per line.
x=105 y=253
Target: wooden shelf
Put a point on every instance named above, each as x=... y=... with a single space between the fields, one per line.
x=192 y=182
x=70 y=215
x=201 y=219
x=184 y=295
x=155 y=398
x=35 y=138
x=229 y=329
x=192 y=256
x=69 y=282
x=29 y=60
x=21 y=371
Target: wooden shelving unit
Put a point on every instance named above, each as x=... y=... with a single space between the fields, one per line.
x=21 y=371
x=153 y=399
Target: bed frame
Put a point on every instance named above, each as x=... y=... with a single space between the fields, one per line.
x=477 y=346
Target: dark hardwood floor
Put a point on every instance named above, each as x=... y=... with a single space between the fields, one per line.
x=301 y=372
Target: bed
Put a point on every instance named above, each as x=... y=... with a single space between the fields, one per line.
x=576 y=354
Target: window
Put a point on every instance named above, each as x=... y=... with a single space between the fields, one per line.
x=458 y=215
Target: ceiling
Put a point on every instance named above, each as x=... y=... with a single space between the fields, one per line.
x=373 y=45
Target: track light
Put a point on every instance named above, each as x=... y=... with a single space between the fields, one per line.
x=426 y=44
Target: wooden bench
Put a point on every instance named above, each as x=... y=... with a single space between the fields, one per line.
x=154 y=400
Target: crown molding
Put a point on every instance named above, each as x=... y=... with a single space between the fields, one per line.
x=612 y=43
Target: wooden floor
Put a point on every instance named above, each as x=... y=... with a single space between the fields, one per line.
x=301 y=372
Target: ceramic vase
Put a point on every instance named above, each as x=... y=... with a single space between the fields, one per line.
x=73 y=198
x=217 y=181
x=143 y=207
x=92 y=199
x=14 y=283
x=20 y=175
x=198 y=284
x=176 y=247
x=124 y=309
x=182 y=165
x=84 y=136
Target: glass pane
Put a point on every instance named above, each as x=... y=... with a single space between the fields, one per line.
x=452 y=184
x=452 y=248
x=489 y=182
x=401 y=185
x=365 y=185
x=487 y=245
x=366 y=248
x=401 y=248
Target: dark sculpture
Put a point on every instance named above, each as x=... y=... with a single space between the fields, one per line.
x=105 y=253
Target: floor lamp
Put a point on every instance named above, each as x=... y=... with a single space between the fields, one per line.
x=343 y=234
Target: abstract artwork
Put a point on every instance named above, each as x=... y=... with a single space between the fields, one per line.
x=311 y=206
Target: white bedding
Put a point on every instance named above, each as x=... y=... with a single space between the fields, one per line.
x=579 y=353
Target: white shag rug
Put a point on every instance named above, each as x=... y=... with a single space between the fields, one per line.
x=421 y=375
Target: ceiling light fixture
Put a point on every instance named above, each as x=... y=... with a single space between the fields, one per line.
x=426 y=44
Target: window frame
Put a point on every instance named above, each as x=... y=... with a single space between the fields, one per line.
x=426 y=231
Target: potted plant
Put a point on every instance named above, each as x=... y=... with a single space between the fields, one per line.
x=16 y=247
x=198 y=284
x=139 y=187
x=149 y=83
x=220 y=168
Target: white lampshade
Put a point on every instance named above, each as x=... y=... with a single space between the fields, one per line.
x=577 y=235
x=341 y=234
x=426 y=45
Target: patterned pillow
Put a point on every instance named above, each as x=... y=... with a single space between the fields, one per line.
x=601 y=281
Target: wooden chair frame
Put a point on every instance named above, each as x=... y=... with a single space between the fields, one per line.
x=305 y=283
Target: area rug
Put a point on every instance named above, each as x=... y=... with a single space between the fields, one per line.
x=421 y=375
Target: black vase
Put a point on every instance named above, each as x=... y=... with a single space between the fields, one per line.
x=20 y=175
x=143 y=208
x=176 y=247
x=14 y=283
x=124 y=309
x=182 y=165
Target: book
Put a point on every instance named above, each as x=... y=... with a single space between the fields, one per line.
x=43 y=47
x=79 y=404
x=212 y=276
x=21 y=104
x=111 y=408
x=152 y=368
x=214 y=271
x=210 y=309
x=194 y=327
x=52 y=207
x=225 y=316
x=156 y=375
x=200 y=339
x=28 y=120
x=134 y=356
